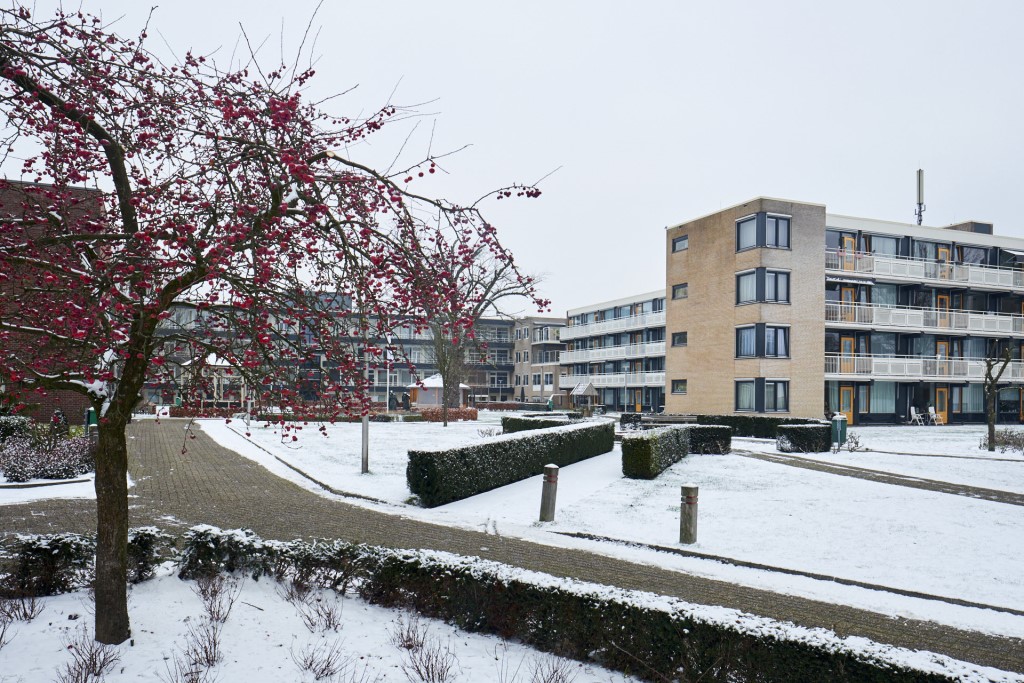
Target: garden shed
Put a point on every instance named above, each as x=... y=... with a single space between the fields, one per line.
x=429 y=392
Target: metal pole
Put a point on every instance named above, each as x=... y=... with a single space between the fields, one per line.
x=548 y=493
x=366 y=420
x=688 y=514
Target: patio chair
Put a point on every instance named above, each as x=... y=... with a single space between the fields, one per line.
x=936 y=418
x=915 y=417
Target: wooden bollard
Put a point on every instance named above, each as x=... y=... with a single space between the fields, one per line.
x=547 y=496
x=688 y=514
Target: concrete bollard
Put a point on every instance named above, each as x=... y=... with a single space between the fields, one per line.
x=688 y=514
x=547 y=496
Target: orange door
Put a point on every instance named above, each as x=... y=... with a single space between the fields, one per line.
x=846 y=403
x=849 y=253
x=942 y=305
x=943 y=259
x=942 y=403
x=848 y=298
x=942 y=357
x=847 y=365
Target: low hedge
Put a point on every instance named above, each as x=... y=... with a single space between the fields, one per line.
x=709 y=439
x=804 y=438
x=454 y=414
x=630 y=420
x=647 y=454
x=521 y=423
x=14 y=426
x=441 y=476
x=512 y=405
x=758 y=426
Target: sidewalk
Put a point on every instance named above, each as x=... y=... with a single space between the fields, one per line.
x=212 y=485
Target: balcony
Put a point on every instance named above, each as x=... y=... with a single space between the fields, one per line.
x=614 y=379
x=907 y=269
x=613 y=353
x=633 y=322
x=937 y=320
x=914 y=368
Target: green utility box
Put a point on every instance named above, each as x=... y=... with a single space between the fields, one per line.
x=839 y=429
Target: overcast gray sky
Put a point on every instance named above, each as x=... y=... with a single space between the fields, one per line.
x=657 y=112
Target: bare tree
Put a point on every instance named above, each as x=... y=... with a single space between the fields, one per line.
x=996 y=363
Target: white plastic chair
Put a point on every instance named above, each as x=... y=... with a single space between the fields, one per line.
x=936 y=418
x=915 y=417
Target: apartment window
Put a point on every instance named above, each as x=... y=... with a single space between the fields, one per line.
x=776 y=286
x=679 y=386
x=549 y=378
x=746 y=287
x=746 y=342
x=517 y=380
x=776 y=232
x=776 y=396
x=526 y=356
x=680 y=291
x=519 y=357
x=746 y=233
x=536 y=379
x=776 y=341
x=745 y=395
x=679 y=339
x=681 y=243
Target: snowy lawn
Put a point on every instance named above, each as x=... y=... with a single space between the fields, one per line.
x=263 y=639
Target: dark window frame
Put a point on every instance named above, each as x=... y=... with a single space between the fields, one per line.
x=676 y=339
x=681 y=243
x=676 y=384
x=681 y=291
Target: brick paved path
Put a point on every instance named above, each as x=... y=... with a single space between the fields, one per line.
x=212 y=485
x=993 y=495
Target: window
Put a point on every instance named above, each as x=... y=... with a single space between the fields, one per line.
x=776 y=396
x=519 y=357
x=549 y=378
x=681 y=243
x=745 y=395
x=679 y=386
x=680 y=291
x=746 y=342
x=777 y=232
x=536 y=379
x=776 y=342
x=776 y=286
x=746 y=287
x=746 y=233
x=526 y=356
x=679 y=339
x=517 y=380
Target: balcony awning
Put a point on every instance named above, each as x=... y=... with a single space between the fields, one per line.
x=584 y=389
x=1016 y=252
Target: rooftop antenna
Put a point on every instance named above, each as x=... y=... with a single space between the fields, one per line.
x=920 y=196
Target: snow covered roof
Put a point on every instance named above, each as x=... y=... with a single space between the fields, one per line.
x=435 y=382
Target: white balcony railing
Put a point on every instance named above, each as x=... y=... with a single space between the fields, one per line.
x=613 y=353
x=633 y=322
x=614 y=379
x=918 y=270
x=930 y=368
x=876 y=316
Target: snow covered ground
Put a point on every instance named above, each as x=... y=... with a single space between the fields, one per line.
x=261 y=640
x=750 y=510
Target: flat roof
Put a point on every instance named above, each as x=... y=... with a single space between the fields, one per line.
x=941 y=234
x=742 y=204
x=600 y=306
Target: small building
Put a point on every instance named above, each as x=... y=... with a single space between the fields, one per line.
x=430 y=391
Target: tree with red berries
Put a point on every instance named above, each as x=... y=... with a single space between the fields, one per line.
x=222 y=191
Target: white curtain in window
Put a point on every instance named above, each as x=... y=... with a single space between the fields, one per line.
x=883 y=397
x=744 y=396
x=747 y=287
x=746 y=342
x=775 y=342
x=974 y=399
x=748 y=233
x=782 y=286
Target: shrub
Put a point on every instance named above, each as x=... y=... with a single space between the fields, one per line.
x=710 y=439
x=439 y=477
x=146 y=547
x=20 y=460
x=647 y=454
x=209 y=550
x=512 y=405
x=757 y=426
x=454 y=414
x=47 y=564
x=14 y=426
x=630 y=420
x=517 y=423
x=1006 y=440
x=804 y=438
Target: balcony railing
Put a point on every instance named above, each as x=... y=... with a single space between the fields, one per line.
x=930 y=368
x=917 y=269
x=615 y=379
x=633 y=322
x=613 y=353
x=923 y=319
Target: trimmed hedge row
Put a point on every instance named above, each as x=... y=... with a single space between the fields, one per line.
x=757 y=426
x=521 y=423
x=804 y=438
x=645 y=635
x=454 y=414
x=630 y=420
x=647 y=454
x=439 y=477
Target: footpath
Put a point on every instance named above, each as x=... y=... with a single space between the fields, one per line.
x=212 y=485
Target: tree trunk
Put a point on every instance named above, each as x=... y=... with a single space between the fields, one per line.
x=112 y=534
x=991 y=415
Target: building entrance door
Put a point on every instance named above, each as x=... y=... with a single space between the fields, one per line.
x=846 y=403
x=942 y=403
